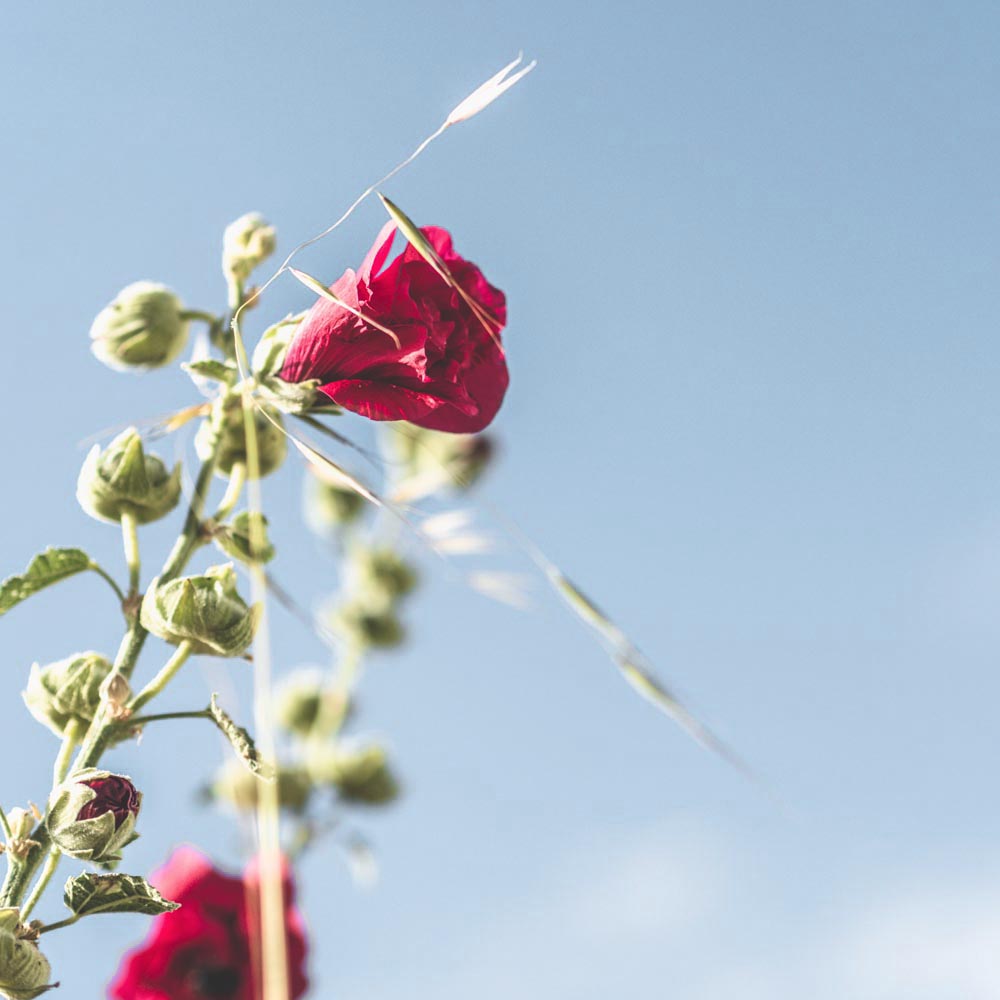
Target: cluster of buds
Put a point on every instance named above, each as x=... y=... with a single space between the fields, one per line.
x=429 y=461
x=226 y=422
x=205 y=611
x=92 y=815
x=24 y=970
x=379 y=580
x=246 y=244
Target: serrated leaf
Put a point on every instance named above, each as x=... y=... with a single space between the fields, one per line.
x=241 y=741
x=46 y=568
x=214 y=369
x=89 y=893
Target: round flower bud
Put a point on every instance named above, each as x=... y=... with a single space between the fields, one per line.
x=226 y=420
x=382 y=572
x=360 y=774
x=238 y=539
x=246 y=244
x=366 y=625
x=67 y=691
x=92 y=815
x=237 y=786
x=206 y=611
x=24 y=970
x=143 y=327
x=330 y=505
x=123 y=479
x=307 y=706
x=269 y=354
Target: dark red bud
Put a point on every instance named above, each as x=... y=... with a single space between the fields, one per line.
x=115 y=794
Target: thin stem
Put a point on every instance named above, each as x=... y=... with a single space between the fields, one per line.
x=71 y=737
x=130 y=537
x=141 y=720
x=6 y=825
x=68 y=922
x=200 y=314
x=51 y=864
x=105 y=575
x=237 y=479
x=163 y=678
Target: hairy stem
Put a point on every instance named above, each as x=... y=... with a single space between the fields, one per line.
x=130 y=537
x=51 y=864
x=167 y=673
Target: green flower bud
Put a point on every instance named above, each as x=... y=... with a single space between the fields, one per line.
x=382 y=572
x=24 y=970
x=238 y=538
x=226 y=419
x=143 y=327
x=67 y=691
x=360 y=774
x=367 y=625
x=433 y=460
x=246 y=244
x=92 y=815
x=204 y=610
x=237 y=786
x=122 y=479
x=21 y=823
x=330 y=505
x=307 y=706
x=269 y=354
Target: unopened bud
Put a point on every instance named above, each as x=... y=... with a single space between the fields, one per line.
x=205 y=610
x=24 y=970
x=366 y=625
x=116 y=692
x=226 y=420
x=237 y=786
x=143 y=327
x=246 y=244
x=92 y=815
x=246 y=538
x=308 y=706
x=360 y=774
x=123 y=479
x=67 y=691
x=269 y=354
x=330 y=505
x=383 y=572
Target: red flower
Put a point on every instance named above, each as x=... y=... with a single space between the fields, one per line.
x=206 y=948
x=447 y=372
x=115 y=794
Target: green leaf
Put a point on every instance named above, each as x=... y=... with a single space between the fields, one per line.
x=241 y=741
x=46 y=568
x=218 y=371
x=88 y=893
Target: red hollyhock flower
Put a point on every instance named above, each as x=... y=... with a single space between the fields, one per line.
x=115 y=794
x=206 y=949
x=447 y=372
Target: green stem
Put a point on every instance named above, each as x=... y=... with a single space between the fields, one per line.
x=200 y=314
x=68 y=922
x=141 y=720
x=6 y=825
x=163 y=678
x=105 y=575
x=237 y=479
x=71 y=736
x=130 y=537
x=51 y=864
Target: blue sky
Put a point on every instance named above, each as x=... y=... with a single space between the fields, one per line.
x=750 y=254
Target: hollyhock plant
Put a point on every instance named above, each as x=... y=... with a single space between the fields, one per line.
x=207 y=948
x=405 y=344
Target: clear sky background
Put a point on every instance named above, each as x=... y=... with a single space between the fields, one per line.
x=751 y=257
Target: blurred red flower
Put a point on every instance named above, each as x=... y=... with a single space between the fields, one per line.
x=206 y=948
x=447 y=372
